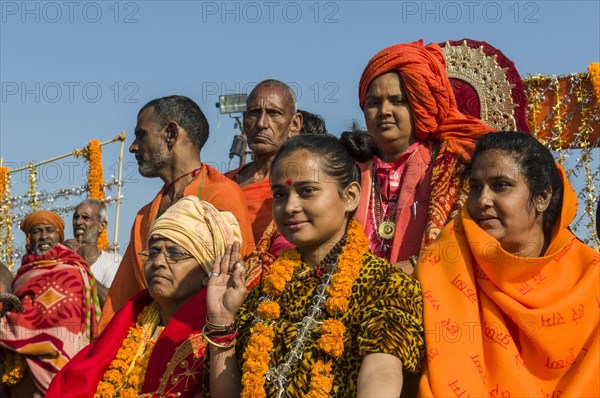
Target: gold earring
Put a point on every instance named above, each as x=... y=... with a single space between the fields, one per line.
x=540 y=207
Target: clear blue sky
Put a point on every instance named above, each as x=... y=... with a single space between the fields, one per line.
x=72 y=71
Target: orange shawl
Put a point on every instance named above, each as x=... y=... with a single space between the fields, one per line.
x=260 y=202
x=500 y=325
x=209 y=185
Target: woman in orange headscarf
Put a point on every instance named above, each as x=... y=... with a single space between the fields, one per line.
x=511 y=301
x=410 y=192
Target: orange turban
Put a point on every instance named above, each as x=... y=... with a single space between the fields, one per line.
x=422 y=70
x=44 y=217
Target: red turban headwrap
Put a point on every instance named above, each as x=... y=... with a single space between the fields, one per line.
x=44 y=217
x=422 y=70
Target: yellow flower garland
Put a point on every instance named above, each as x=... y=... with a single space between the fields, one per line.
x=127 y=371
x=96 y=181
x=6 y=236
x=14 y=368
x=34 y=204
x=257 y=353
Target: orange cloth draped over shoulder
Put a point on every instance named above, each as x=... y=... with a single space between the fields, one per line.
x=260 y=202
x=209 y=185
x=501 y=325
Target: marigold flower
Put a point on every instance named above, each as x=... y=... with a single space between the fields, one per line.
x=269 y=310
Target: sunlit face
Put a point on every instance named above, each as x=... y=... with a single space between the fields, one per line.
x=499 y=201
x=269 y=119
x=149 y=146
x=171 y=284
x=86 y=223
x=42 y=238
x=388 y=115
x=309 y=208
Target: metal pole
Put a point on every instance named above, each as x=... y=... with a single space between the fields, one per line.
x=118 y=207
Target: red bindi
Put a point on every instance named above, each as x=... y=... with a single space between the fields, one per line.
x=288 y=182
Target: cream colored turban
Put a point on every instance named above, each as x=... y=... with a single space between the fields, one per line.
x=199 y=228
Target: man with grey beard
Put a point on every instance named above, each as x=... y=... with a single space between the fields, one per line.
x=169 y=135
x=90 y=219
x=60 y=308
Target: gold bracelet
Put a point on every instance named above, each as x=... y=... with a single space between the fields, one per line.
x=220 y=328
x=221 y=346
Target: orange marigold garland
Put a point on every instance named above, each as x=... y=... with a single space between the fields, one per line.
x=268 y=310
x=4 y=180
x=594 y=69
x=321 y=381
x=331 y=341
x=96 y=181
x=256 y=361
x=127 y=371
x=347 y=270
x=281 y=272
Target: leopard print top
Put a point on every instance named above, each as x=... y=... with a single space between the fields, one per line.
x=385 y=315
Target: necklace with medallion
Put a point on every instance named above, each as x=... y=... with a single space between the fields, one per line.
x=383 y=222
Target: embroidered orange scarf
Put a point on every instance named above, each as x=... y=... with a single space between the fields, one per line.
x=498 y=325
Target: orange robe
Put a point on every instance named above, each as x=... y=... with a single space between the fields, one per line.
x=208 y=185
x=497 y=325
x=260 y=203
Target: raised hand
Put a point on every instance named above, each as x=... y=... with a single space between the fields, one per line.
x=226 y=289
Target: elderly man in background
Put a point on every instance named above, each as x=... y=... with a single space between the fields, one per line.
x=270 y=119
x=58 y=293
x=89 y=221
x=169 y=135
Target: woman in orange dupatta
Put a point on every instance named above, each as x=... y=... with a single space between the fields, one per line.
x=411 y=192
x=511 y=295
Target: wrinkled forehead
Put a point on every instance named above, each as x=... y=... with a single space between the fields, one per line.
x=87 y=208
x=271 y=93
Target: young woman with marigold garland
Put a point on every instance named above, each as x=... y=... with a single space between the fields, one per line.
x=329 y=318
x=153 y=347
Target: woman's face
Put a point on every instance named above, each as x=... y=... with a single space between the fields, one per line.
x=388 y=115
x=309 y=208
x=171 y=282
x=499 y=202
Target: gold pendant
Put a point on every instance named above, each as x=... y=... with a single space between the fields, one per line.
x=386 y=230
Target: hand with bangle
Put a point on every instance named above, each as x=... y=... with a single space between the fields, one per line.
x=225 y=294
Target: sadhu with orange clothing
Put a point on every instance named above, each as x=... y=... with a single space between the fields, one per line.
x=510 y=294
x=416 y=186
x=60 y=309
